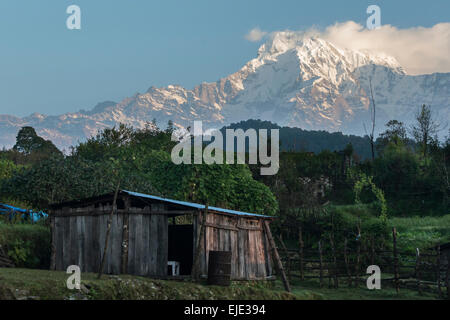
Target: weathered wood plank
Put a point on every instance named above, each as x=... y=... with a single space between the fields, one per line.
x=79 y=222
x=73 y=260
x=145 y=244
x=66 y=243
x=96 y=251
x=59 y=245
x=138 y=246
x=153 y=245
x=163 y=241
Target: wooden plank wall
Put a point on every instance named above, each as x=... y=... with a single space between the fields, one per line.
x=247 y=241
x=80 y=240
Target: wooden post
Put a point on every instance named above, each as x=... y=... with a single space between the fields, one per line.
x=53 y=245
x=372 y=253
x=419 y=288
x=447 y=275
x=196 y=265
x=394 y=241
x=335 y=267
x=108 y=231
x=276 y=256
x=301 y=245
x=288 y=257
x=320 y=264
x=358 y=254
x=125 y=236
x=347 y=268
x=438 y=269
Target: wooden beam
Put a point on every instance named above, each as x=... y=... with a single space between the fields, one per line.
x=125 y=237
x=107 y=210
x=276 y=256
x=53 y=245
x=108 y=231
x=196 y=264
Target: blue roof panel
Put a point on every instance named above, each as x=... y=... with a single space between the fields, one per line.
x=194 y=205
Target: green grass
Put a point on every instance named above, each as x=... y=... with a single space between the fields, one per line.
x=51 y=285
x=26 y=244
x=361 y=293
x=44 y=285
x=421 y=232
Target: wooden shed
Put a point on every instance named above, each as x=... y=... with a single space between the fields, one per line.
x=145 y=236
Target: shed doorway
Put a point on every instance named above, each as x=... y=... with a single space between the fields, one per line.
x=181 y=247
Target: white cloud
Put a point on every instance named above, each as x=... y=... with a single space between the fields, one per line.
x=255 y=35
x=419 y=50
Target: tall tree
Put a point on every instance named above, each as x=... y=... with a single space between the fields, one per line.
x=425 y=128
x=33 y=147
x=372 y=110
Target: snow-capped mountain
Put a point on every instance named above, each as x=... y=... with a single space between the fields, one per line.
x=294 y=81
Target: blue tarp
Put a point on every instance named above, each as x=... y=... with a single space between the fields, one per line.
x=24 y=214
x=194 y=205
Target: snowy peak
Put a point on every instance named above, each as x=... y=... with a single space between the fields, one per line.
x=296 y=80
x=313 y=49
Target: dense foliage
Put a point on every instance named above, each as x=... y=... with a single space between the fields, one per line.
x=140 y=161
x=319 y=173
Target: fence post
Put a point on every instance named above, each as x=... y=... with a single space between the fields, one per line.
x=349 y=276
x=372 y=256
x=438 y=269
x=447 y=275
x=320 y=264
x=276 y=256
x=301 y=244
x=288 y=256
x=418 y=271
x=358 y=254
x=394 y=240
x=335 y=271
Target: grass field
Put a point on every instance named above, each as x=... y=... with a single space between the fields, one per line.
x=421 y=232
x=51 y=285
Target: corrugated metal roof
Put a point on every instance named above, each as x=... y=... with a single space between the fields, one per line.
x=194 y=205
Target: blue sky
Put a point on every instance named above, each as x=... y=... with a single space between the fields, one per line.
x=125 y=47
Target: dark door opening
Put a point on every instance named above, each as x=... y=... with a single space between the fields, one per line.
x=181 y=246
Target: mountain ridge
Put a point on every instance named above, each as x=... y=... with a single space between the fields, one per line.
x=294 y=81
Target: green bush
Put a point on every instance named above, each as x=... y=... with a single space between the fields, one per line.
x=27 y=245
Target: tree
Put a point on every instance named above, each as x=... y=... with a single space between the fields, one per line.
x=425 y=128
x=33 y=147
x=395 y=133
x=372 y=119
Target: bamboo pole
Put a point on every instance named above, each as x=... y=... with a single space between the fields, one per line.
x=276 y=256
x=108 y=231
